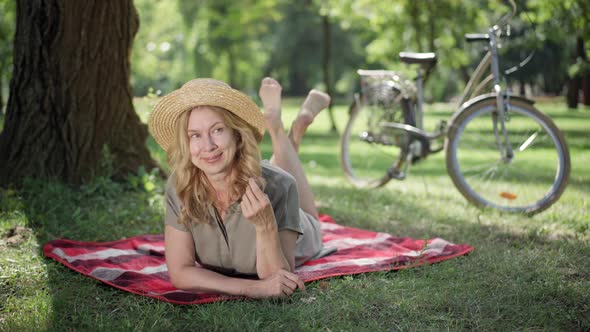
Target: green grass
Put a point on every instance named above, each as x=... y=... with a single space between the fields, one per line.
x=526 y=273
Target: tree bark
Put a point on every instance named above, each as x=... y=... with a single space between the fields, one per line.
x=70 y=97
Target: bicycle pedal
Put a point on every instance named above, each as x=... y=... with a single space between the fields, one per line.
x=441 y=127
x=437 y=149
x=395 y=173
x=416 y=159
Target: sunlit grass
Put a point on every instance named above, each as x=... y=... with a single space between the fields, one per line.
x=526 y=273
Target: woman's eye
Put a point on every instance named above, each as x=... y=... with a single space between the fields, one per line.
x=218 y=130
x=195 y=136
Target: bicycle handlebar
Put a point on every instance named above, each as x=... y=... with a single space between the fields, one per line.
x=502 y=21
x=475 y=37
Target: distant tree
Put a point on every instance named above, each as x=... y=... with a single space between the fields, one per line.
x=296 y=48
x=229 y=37
x=387 y=28
x=70 y=98
x=567 y=22
x=300 y=48
x=526 y=53
x=339 y=54
x=161 y=50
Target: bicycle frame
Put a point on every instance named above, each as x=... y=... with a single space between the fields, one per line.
x=388 y=121
x=476 y=85
x=490 y=59
x=420 y=144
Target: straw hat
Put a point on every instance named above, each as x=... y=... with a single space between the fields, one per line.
x=201 y=92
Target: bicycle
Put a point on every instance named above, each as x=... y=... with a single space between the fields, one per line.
x=501 y=152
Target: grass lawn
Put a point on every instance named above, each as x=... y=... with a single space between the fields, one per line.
x=526 y=273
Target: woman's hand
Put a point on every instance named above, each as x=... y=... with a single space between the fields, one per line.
x=256 y=207
x=280 y=284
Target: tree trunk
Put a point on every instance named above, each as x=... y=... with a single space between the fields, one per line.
x=586 y=89
x=522 y=88
x=585 y=75
x=414 y=12
x=326 y=64
x=70 y=96
x=298 y=83
x=432 y=17
x=1 y=94
x=573 y=87
x=232 y=67
x=574 y=84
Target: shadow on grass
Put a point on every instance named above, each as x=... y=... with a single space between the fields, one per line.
x=518 y=276
x=527 y=262
x=100 y=211
x=580 y=114
x=577 y=138
x=506 y=271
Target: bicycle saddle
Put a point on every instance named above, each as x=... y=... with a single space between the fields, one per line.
x=418 y=58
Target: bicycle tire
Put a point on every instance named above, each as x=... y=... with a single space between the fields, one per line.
x=531 y=182
x=366 y=164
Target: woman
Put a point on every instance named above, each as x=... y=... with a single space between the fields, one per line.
x=246 y=223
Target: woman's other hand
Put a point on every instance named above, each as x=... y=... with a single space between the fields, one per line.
x=256 y=207
x=280 y=284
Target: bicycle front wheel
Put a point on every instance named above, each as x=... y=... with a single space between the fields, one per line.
x=529 y=181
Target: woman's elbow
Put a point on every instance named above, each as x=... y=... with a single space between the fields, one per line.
x=176 y=279
x=263 y=275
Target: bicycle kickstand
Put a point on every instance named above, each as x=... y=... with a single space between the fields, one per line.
x=398 y=169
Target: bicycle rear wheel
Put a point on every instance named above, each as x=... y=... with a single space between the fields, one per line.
x=529 y=182
x=369 y=149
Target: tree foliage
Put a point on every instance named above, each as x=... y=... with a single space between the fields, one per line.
x=161 y=51
x=229 y=37
x=243 y=41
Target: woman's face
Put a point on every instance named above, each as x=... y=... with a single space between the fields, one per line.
x=212 y=143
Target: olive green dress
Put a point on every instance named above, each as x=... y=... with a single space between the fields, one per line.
x=230 y=247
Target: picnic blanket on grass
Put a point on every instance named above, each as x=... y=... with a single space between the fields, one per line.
x=137 y=264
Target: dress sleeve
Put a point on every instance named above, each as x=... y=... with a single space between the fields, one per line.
x=285 y=203
x=173 y=207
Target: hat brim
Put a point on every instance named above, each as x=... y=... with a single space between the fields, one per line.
x=202 y=92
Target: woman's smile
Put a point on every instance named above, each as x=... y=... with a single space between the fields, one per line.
x=213 y=159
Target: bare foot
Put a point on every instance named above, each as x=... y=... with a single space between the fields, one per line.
x=313 y=104
x=270 y=95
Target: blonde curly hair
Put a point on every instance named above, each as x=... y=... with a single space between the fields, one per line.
x=192 y=186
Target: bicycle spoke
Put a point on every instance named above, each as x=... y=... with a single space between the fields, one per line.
x=528 y=142
x=524 y=182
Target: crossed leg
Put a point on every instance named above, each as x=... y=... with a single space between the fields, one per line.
x=286 y=146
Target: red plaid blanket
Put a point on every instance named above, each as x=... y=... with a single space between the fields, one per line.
x=137 y=264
